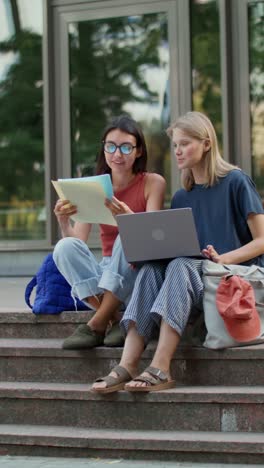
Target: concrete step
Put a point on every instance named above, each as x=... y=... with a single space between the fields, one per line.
x=223 y=409
x=44 y=360
x=163 y=445
x=23 y=323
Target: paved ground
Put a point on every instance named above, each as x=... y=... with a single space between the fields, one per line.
x=12 y=293
x=41 y=462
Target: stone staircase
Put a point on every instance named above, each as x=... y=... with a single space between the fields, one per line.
x=215 y=414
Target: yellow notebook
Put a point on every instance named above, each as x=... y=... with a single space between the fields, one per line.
x=88 y=194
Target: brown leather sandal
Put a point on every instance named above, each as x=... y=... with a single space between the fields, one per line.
x=157 y=380
x=113 y=384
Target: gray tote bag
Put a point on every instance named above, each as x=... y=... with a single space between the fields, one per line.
x=217 y=335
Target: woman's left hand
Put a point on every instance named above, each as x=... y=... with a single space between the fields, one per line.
x=117 y=207
x=212 y=254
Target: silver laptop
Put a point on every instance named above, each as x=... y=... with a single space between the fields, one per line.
x=157 y=235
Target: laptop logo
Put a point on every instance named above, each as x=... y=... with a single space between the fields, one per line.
x=158 y=234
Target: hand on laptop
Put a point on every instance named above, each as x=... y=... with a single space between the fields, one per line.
x=211 y=253
x=117 y=207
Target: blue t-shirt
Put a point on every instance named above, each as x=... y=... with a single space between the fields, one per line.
x=221 y=212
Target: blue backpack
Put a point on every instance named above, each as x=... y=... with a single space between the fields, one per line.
x=53 y=293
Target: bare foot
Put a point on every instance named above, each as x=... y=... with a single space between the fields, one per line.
x=135 y=383
x=103 y=384
x=100 y=385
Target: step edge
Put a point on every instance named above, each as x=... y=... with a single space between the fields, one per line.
x=126 y=439
x=35 y=346
x=184 y=394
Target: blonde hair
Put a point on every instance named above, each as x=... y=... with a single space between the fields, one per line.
x=197 y=125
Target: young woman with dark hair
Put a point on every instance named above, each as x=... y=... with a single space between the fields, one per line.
x=106 y=286
x=126 y=125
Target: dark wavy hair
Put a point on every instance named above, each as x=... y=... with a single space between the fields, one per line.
x=126 y=124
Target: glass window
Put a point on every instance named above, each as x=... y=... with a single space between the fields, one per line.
x=119 y=65
x=256 y=67
x=206 y=63
x=22 y=214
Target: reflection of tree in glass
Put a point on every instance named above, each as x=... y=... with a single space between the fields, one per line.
x=256 y=52
x=206 y=61
x=108 y=62
x=256 y=66
x=21 y=117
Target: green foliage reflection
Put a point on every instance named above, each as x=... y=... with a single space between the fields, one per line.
x=109 y=59
x=206 y=72
x=21 y=138
x=256 y=64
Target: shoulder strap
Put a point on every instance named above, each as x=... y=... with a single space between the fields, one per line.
x=29 y=289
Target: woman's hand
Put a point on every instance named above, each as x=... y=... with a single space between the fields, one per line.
x=63 y=210
x=117 y=207
x=212 y=254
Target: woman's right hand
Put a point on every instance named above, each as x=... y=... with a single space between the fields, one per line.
x=63 y=210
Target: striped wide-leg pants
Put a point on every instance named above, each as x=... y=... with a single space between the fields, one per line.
x=167 y=292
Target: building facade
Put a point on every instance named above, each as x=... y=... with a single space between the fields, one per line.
x=68 y=66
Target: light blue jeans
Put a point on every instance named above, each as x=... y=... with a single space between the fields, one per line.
x=87 y=276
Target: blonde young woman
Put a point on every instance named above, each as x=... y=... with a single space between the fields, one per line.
x=106 y=285
x=230 y=223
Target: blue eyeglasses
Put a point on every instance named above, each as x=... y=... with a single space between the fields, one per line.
x=125 y=148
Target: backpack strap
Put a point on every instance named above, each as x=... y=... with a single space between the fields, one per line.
x=29 y=289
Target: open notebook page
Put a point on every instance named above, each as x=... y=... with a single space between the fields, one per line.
x=88 y=194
